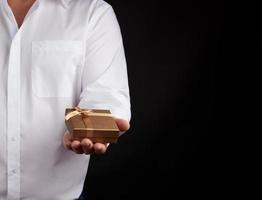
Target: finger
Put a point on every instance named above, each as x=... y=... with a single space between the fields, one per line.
x=67 y=141
x=68 y=145
x=68 y=136
x=87 y=146
x=76 y=147
x=99 y=148
x=122 y=124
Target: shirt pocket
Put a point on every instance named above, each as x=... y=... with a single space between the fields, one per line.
x=55 y=67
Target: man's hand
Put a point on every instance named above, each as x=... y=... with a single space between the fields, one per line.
x=86 y=146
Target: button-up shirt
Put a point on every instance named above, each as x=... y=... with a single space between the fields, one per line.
x=66 y=53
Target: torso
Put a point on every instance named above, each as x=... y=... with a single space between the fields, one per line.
x=20 y=9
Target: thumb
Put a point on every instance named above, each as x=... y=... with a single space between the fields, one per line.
x=122 y=124
x=67 y=140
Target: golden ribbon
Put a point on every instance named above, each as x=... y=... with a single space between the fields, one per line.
x=88 y=113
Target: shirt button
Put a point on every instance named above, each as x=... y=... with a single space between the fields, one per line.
x=15 y=44
x=12 y=172
x=14 y=138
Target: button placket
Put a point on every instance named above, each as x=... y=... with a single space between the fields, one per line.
x=13 y=120
x=13 y=103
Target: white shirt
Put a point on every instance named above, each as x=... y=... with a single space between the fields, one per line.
x=66 y=53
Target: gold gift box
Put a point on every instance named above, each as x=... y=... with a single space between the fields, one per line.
x=96 y=125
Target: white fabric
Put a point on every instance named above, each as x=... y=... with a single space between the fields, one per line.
x=66 y=53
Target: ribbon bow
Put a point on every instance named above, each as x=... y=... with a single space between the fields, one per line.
x=88 y=113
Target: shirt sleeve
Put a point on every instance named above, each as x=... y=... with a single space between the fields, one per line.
x=104 y=78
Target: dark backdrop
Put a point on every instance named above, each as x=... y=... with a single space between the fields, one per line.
x=172 y=52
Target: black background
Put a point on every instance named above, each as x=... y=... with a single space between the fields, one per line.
x=172 y=52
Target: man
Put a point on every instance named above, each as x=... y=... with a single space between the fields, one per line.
x=55 y=54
